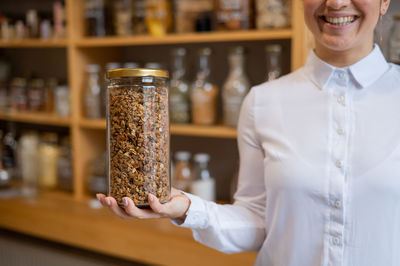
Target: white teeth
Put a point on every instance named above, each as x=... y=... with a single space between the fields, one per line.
x=340 y=21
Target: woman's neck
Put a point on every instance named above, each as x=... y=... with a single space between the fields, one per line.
x=342 y=58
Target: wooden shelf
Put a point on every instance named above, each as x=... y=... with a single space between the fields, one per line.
x=57 y=217
x=218 y=131
x=34 y=43
x=203 y=131
x=36 y=118
x=251 y=35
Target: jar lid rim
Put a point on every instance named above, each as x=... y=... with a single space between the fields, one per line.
x=137 y=72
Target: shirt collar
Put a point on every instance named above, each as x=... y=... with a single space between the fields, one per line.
x=365 y=72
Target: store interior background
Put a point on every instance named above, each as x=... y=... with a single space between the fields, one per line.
x=66 y=63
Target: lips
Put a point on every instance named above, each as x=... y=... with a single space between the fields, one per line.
x=339 y=20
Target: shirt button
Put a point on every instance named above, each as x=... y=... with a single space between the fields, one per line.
x=340 y=131
x=339 y=164
x=341 y=99
x=341 y=75
x=336 y=240
x=338 y=204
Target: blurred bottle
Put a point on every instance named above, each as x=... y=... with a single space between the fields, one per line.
x=235 y=87
x=64 y=165
x=234 y=14
x=203 y=92
x=4 y=176
x=4 y=94
x=394 y=42
x=94 y=13
x=9 y=157
x=179 y=97
x=32 y=22
x=19 y=95
x=123 y=17
x=203 y=184
x=48 y=152
x=158 y=17
x=182 y=175
x=62 y=100
x=139 y=17
x=97 y=180
x=59 y=20
x=36 y=95
x=273 y=55
x=93 y=92
x=49 y=92
x=28 y=162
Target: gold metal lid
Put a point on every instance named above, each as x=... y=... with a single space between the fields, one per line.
x=137 y=72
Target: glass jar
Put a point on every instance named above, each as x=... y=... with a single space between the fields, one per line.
x=48 y=152
x=203 y=184
x=93 y=92
x=235 y=87
x=62 y=101
x=394 y=42
x=139 y=17
x=28 y=161
x=273 y=56
x=272 y=14
x=95 y=18
x=49 y=92
x=36 y=95
x=97 y=180
x=158 y=17
x=64 y=165
x=179 y=97
x=123 y=17
x=19 y=96
x=204 y=93
x=182 y=177
x=138 y=135
x=234 y=14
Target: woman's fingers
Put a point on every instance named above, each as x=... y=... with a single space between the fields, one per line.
x=136 y=212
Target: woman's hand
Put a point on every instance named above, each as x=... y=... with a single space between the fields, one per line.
x=175 y=208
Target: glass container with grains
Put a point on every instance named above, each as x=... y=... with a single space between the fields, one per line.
x=138 y=135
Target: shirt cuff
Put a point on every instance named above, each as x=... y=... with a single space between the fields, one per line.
x=196 y=215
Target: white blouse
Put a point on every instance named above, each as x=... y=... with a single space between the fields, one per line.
x=319 y=180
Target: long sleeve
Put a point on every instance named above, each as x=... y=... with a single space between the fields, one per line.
x=238 y=227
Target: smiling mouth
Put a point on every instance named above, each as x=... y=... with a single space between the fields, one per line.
x=339 y=21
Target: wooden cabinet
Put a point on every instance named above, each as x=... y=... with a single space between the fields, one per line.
x=88 y=136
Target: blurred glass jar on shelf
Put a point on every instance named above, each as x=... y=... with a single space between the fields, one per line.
x=62 y=101
x=49 y=91
x=187 y=12
x=273 y=55
x=203 y=92
x=139 y=17
x=182 y=173
x=394 y=41
x=64 y=165
x=4 y=94
x=28 y=161
x=123 y=17
x=19 y=95
x=5 y=179
x=97 y=179
x=98 y=18
x=36 y=95
x=235 y=87
x=48 y=152
x=179 y=97
x=272 y=14
x=158 y=17
x=92 y=93
x=32 y=23
x=234 y=14
x=203 y=184
x=9 y=151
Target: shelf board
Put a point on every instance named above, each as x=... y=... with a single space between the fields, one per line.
x=36 y=118
x=248 y=35
x=33 y=43
x=217 y=131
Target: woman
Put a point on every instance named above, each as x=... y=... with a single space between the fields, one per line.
x=320 y=156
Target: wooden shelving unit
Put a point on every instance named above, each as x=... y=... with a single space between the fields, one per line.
x=88 y=136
